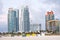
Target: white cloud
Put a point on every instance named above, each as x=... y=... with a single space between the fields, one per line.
x=3 y=18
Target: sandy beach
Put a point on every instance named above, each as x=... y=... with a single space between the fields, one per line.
x=31 y=38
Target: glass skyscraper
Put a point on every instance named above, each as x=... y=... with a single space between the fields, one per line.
x=25 y=22
x=13 y=20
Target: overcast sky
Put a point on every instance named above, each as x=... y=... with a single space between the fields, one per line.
x=37 y=9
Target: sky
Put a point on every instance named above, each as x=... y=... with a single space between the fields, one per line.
x=37 y=10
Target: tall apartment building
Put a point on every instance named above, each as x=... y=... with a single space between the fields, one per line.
x=49 y=16
x=24 y=20
x=13 y=20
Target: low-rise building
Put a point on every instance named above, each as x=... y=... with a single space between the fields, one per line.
x=35 y=27
x=54 y=26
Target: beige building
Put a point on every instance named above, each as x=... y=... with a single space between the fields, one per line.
x=54 y=26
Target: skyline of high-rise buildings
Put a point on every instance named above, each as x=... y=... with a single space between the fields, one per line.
x=25 y=20
x=25 y=26
x=13 y=20
x=37 y=10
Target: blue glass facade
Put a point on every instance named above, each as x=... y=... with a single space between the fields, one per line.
x=25 y=20
x=51 y=17
x=13 y=20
